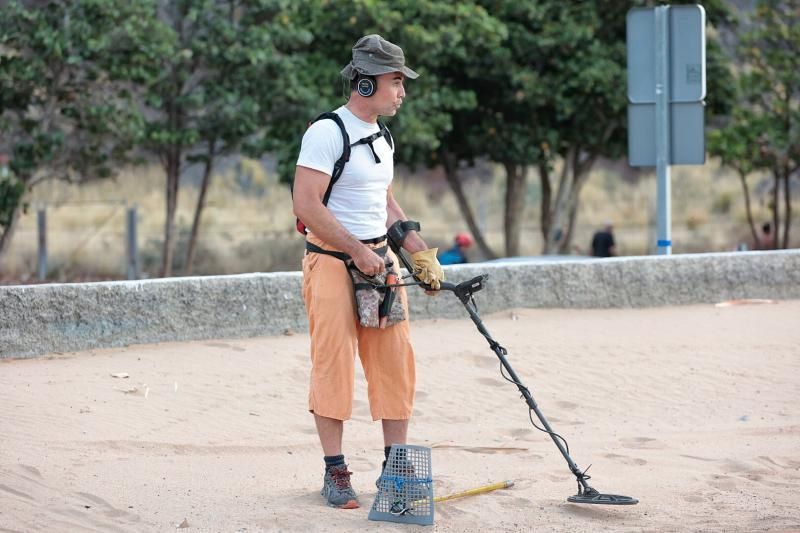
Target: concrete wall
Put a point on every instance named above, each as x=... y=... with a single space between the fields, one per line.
x=39 y=319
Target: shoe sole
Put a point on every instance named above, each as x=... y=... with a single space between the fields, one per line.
x=351 y=504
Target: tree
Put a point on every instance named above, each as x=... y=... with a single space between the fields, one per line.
x=550 y=90
x=764 y=131
x=248 y=49
x=437 y=37
x=67 y=78
x=523 y=84
x=227 y=84
x=565 y=100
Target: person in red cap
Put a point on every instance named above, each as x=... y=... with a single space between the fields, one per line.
x=457 y=254
x=348 y=222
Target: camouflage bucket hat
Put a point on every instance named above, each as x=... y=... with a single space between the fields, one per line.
x=374 y=55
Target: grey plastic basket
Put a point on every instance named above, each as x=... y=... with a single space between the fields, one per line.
x=405 y=488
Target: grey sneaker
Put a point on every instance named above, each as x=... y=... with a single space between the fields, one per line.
x=337 y=489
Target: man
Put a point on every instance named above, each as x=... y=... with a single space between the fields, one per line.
x=354 y=221
x=767 y=240
x=603 y=242
x=458 y=253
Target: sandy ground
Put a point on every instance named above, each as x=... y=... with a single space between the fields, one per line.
x=692 y=410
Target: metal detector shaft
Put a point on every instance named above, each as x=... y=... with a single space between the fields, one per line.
x=464 y=292
x=586 y=494
x=500 y=353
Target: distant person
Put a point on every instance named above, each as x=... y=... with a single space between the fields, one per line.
x=767 y=240
x=457 y=254
x=603 y=244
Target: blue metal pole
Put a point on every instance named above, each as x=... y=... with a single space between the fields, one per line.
x=664 y=232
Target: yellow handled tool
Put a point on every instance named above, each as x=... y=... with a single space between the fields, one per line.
x=477 y=490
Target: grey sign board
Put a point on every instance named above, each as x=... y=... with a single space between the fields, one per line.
x=687 y=141
x=687 y=54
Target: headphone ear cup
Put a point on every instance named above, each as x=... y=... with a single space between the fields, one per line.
x=366 y=86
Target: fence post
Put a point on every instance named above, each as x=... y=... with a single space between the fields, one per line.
x=132 y=249
x=41 y=222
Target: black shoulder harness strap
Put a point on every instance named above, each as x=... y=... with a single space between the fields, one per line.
x=338 y=167
x=383 y=131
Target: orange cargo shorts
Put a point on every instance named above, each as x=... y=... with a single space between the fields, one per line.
x=336 y=336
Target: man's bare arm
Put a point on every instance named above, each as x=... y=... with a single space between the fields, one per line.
x=309 y=190
x=413 y=242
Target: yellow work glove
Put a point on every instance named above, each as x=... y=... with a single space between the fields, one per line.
x=427 y=267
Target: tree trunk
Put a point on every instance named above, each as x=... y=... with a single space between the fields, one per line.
x=451 y=173
x=566 y=241
x=173 y=176
x=172 y=162
x=580 y=174
x=556 y=232
x=787 y=208
x=775 y=210
x=544 y=206
x=515 y=205
x=749 y=210
x=8 y=231
x=201 y=202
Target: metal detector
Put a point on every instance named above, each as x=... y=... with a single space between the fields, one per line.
x=464 y=292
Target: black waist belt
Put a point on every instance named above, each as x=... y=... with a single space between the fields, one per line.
x=313 y=248
x=376 y=240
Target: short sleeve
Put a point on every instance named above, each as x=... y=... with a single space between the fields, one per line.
x=321 y=147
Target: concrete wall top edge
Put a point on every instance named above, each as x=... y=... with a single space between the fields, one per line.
x=137 y=283
x=37 y=319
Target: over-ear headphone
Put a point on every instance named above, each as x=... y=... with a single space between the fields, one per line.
x=366 y=85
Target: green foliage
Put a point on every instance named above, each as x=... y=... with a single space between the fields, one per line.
x=763 y=132
x=66 y=71
x=84 y=84
x=437 y=37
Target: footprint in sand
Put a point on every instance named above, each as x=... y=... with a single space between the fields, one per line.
x=698 y=458
x=108 y=509
x=448 y=416
x=642 y=443
x=30 y=473
x=693 y=498
x=761 y=470
x=566 y=405
x=491 y=382
x=225 y=346
x=524 y=433
x=721 y=482
x=15 y=492
x=482 y=361
x=306 y=429
x=626 y=460
x=362 y=464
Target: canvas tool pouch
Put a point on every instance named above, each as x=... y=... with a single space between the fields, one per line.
x=373 y=299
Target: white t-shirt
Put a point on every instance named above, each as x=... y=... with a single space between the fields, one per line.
x=358 y=199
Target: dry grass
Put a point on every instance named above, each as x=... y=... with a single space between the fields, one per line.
x=248 y=224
